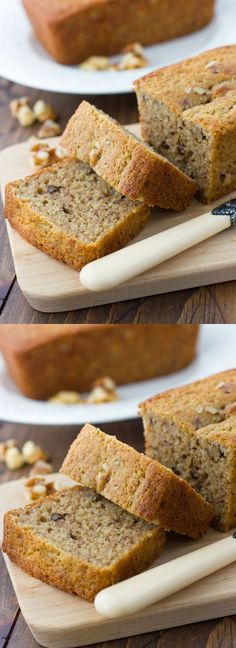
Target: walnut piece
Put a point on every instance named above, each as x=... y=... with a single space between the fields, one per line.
x=4 y=446
x=43 y=155
x=95 y=63
x=16 y=104
x=38 y=488
x=49 y=128
x=66 y=398
x=43 y=111
x=25 y=116
x=132 y=57
x=14 y=458
x=32 y=452
x=41 y=467
x=100 y=395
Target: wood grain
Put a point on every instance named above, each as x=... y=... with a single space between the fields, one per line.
x=216 y=304
x=209 y=634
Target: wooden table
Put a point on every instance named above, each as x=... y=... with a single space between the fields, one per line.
x=215 y=304
x=13 y=630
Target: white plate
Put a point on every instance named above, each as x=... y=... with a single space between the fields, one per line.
x=217 y=351
x=23 y=60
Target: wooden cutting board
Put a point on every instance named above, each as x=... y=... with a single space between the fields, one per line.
x=51 y=286
x=60 y=620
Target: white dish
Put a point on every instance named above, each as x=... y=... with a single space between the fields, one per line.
x=217 y=351
x=23 y=60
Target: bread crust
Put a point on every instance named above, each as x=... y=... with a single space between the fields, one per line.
x=135 y=482
x=190 y=406
x=124 y=161
x=71 y=29
x=43 y=560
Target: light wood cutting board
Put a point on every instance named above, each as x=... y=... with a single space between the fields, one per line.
x=51 y=286
x=59 y=620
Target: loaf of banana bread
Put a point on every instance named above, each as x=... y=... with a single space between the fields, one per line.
x=79 y=542
x=72 y=30
x=135 y=482
x=192 y=430
x=44 y=359
x=188 y=113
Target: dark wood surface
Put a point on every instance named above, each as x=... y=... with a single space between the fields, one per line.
x=216 y=304
x=14 y=633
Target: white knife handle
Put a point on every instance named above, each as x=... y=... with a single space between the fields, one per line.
x=115 y=268
x=152 y=586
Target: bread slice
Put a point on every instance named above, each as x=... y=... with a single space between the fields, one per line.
x=124 y=161
x=192 y=431
x=79 y=542
x=188 y=113
x=68 y=212
x=136 y=483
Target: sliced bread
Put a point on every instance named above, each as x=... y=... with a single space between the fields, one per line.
x=136 y=482
x=67 y=211
x=124 y=161
x=79 y=542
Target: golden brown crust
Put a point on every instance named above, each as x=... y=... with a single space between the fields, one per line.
x=43 y=360
x=195 y=405
x=35 y=228
x=125 y=162
x=43 y=560
x=69 y=28
x=135 y=482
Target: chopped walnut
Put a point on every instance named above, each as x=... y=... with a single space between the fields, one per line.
x=16 y=104
x=25 y=116
x=227 y=388
x=131 y=61
x=198 y=90
x=37 y=488
x=4 y=446
x=32 y=452
x=199 y=409
x=42 y=154
x=14 y=458
x=95 y=63
x=132 y=57
x=66 y=398
x=59 y=153
x=212 y=410
x=101 y=395
x=106 y=382
x=49 y=128
x=103 y=477
x=43 y=111
x=41 y=467
x=135 y=48
x=213 y=65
